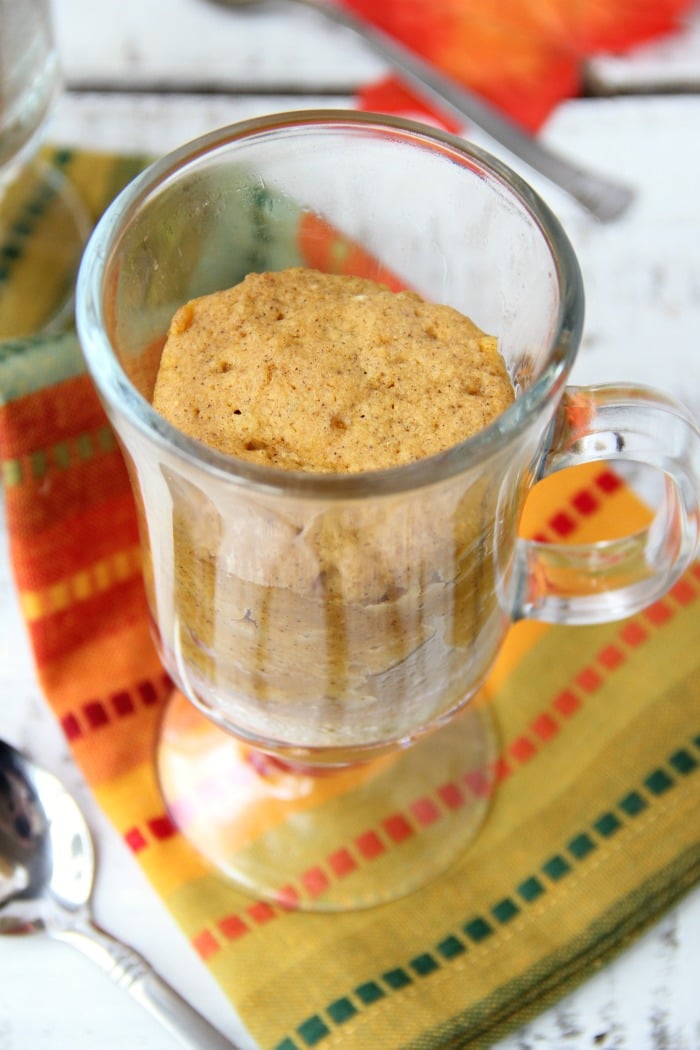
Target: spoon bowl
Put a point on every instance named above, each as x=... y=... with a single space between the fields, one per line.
x=46 y=849
x=47 y=868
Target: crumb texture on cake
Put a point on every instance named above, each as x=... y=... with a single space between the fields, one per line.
x=303 y=370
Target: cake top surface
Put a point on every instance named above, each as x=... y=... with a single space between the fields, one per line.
x=303 y=370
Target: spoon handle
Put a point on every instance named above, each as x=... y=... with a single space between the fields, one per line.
x=134 y=974
x=602 y=197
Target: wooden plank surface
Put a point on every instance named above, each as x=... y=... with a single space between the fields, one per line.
x=281 y=46
x=200 y=44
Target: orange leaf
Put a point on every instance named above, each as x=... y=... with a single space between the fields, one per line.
x=525 y=56
x=422 y=25
x=606 y=26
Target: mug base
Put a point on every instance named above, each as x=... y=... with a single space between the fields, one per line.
x=333 y=839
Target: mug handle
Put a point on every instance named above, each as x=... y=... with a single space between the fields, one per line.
x=599 y=582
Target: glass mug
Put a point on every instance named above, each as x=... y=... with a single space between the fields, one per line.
x=42 y=218
x=336 y=626
x=29 y=74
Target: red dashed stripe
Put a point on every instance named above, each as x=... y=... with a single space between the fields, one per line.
x=584 y=503
x=683 y=592
x=205 y=944
x=71 y=727
x=123 y=704
x=451 y=795
x=633 y=634
x=148 y=692
x=157 y=829
x=501 y=769
x=590 y=678
x=562 y=524
x=611 y=657
x=370 y=845
x=288 y=898
x=566 y=703
x=315 y=881
x=99 y=713
x=481 y=783
x=261 y=912
x=95 y=714
x=135 y=840
x=233 y=927
x=659 y=613
x=398 y=828
x=342 y=863
x=545 y=726
x=162 y=827
x=522 y=749
x=608 y=482
x=425 y=811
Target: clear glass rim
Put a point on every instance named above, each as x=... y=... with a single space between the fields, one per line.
x=120 y=396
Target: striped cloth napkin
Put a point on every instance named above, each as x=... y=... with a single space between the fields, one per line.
x=592 y=831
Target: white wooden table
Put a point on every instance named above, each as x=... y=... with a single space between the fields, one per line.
x=149 y=74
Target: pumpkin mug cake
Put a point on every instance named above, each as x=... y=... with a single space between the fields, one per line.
x=306 y=371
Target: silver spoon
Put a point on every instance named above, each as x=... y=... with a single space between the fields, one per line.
x=603 y=198
x=47 y=866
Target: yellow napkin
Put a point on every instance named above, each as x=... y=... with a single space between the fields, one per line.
x=593 y=829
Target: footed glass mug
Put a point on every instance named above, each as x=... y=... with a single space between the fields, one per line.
x=330 y=632
x=41 y=215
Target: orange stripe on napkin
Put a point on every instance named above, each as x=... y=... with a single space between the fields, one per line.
x=57 y=553
x=98 y=617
